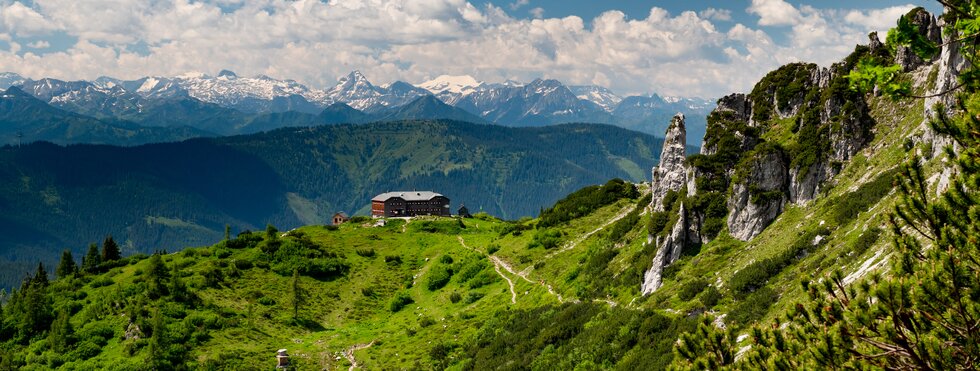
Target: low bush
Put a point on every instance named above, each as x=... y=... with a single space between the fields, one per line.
x=400 y=300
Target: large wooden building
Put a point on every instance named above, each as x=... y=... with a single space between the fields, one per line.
x=414 y=203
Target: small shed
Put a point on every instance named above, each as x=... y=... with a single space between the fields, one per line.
x=340 y=218
x=463 y=212
x=282 y=359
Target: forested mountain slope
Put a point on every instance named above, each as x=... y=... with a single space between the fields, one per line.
x=173 y=195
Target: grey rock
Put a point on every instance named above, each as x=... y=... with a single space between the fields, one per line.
x=671 y=173
x=765 y=173
x=668 y=252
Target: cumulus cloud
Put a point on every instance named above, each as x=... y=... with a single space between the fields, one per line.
x=716 y=14
x=537 y=12
x=877 y=19
x=316 y=41
x=774 y=12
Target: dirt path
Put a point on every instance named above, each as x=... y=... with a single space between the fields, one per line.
x=349 y=354
x=496 y=266
x=571 y=245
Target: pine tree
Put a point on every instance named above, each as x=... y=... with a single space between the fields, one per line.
x=110 y=250
x=62 y=334
x=159 y=343
x=92 y=260
x=40 y=276
x=296 y=294
x=227 y=232
x=157 y=277
x=67 y=266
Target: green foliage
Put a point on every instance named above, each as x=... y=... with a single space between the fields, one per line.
x=67 y=266
x=438 y=276
x=585 y=201
x=848 y=206
x=438 y=226
x=546 y=238
x=709 y=297
x=756 y=275
x=110 y=250
x=92 y=260
x=692 y=288
x=575 y=335
x=455 y=297
x=492 y=249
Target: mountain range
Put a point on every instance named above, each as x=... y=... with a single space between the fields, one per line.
x=229 y=104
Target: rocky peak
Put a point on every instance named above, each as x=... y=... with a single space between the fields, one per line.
x=227 y=74
x=927 y=26
x=671 y=173
x=738 y=104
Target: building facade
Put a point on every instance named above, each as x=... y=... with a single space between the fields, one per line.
x=414 y=203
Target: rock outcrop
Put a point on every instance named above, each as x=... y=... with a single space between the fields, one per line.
x=669 y=251
x=759 y=192
x=927 y=26
x=950 y=62
x=671 y=173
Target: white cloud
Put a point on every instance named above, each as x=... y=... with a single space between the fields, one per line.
x=537 y=12
x=40 y=44
x=315 y=42
x=774 y=12
x=518 y=4
x=22 y=20
x=877 y=19
x=716 y=14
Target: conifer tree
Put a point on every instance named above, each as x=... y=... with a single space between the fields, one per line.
x=92 y=260
x=67 y=266
x=159 y=343
x=40 y=276
x=157 y=277
x=62 y=334
x=110 y=250
x=296 y=294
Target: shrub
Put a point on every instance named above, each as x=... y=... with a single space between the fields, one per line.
x=547 y=238
x=365 y=252
x=426 y=321
x=446 y=259
x=492 y=248
x=360 y=219
x=393 y=259
x=473 y=297
x=865 y=241
x=692 y=288
x=400 y=300
x=439 y=275
x=455 y=297
x=484 y=278
x=754 y=306
x=709 y=297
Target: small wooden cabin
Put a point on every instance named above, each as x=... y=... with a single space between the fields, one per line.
x=340 y=218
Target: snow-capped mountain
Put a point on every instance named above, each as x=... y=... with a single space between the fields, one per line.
x=450 y=89
x=511 y=103
x=8 y=79
x=601 y=96
x=541 y=102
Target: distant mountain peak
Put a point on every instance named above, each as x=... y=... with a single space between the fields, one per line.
x=227 y=73
x=464 y=84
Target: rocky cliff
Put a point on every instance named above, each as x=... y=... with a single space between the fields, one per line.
x=669 y=179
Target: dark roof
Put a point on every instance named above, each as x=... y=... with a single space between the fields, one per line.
x=342 y=214
x=407 y=196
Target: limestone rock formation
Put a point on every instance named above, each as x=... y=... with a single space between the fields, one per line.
x=668 y=252
x=757 y=198
x=928 y=27
x=671 y=173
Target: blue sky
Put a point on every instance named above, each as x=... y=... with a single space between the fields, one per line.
x=688 y=48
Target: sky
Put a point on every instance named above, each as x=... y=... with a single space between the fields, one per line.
x=694 y=48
